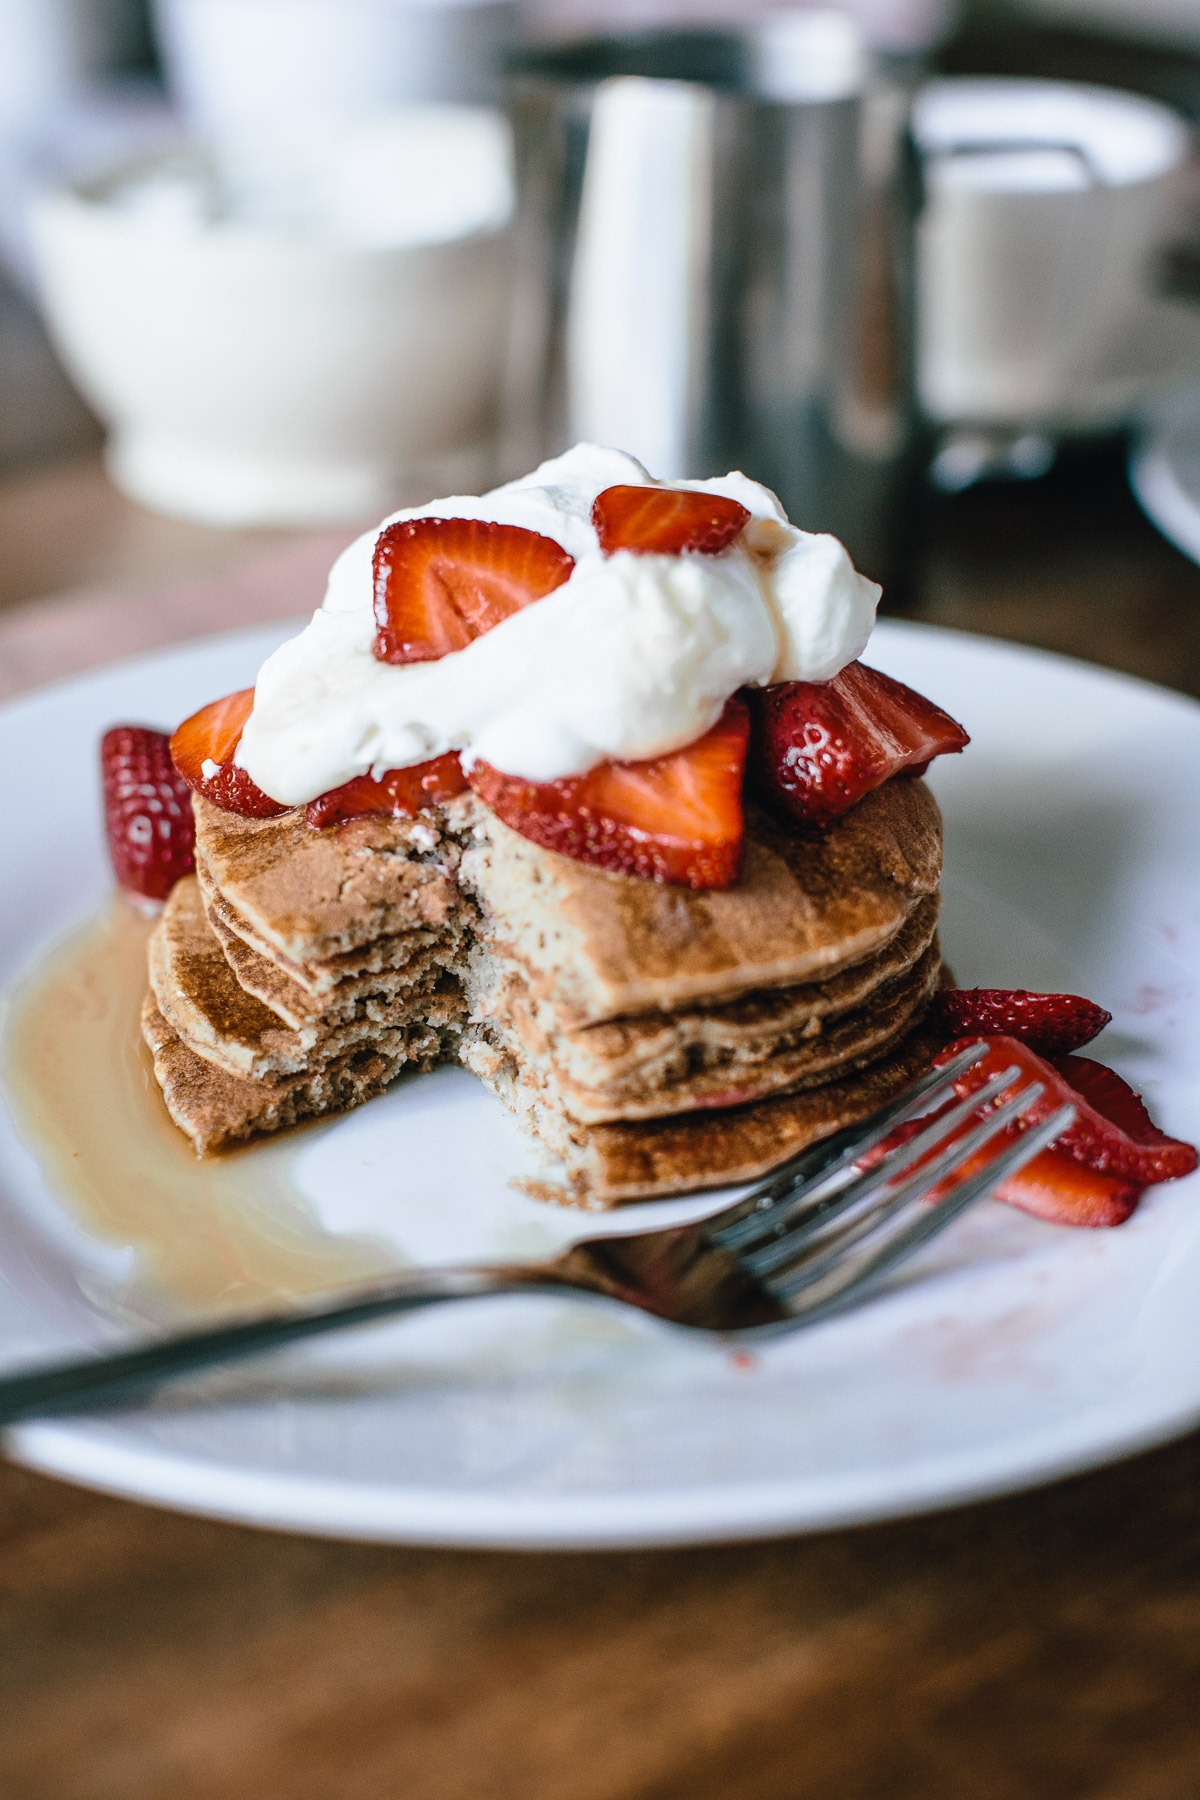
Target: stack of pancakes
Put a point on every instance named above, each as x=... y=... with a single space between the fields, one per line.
x=658 y=1040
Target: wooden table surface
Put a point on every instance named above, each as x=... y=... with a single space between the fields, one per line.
x=1046 y=1645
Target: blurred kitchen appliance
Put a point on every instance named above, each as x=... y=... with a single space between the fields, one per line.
x=713 y=265
x=1048 y=208
x=898 y=27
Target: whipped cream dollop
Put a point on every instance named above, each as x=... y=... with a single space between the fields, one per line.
x=632 y=657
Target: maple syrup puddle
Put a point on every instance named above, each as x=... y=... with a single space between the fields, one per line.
x=225 y=1234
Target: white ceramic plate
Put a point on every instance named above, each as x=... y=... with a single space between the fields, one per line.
x=1016 y=1352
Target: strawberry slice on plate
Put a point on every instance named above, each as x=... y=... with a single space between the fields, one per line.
x=203 y=749
x=1065 y=1192
x=400 y=794
x=666 y=521
x=440 y=583
x=671 y=818
x=147 y=811
x=1094 y=1139
x=819 y=746
x=1105 y=1092
x=1095 y=1172
x=1051 y=1024
x=1051 y=1186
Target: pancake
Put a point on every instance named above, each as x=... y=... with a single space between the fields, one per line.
x=624 y=1021
x=313 y=895
x=198 y=993
x=613 y=1165
x=785 y=1039
x=607 y=1165
x=653 y=1051
x=606 y=946
x=296 y=1004
x=316 y=977
x=849 y=1043
x=612 y=946
x=216 y=1109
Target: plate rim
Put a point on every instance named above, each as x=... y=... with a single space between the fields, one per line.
x=446 y=1518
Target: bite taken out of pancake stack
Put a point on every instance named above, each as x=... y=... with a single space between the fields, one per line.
x=656 y=1038
x=581 y=784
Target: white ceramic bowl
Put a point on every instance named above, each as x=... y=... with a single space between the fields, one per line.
x=257 y=373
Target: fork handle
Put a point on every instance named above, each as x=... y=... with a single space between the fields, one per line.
x=98 y=1381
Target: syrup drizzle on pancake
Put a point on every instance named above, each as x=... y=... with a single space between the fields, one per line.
x=226 y=1234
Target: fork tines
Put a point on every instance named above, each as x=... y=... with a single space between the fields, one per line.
x=816 y=1235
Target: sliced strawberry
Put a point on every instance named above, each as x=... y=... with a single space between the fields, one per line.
x=672 y=818
x=1052 y=1186
x=819 y=746
x=440 y=583
x=1115 y=1100
x=666 y=521
x=1051 y=1024
x=1095 y=1172
x=203 y=749
x=400 y=794
x=1064 y=1192
x=1095 y=1140
x=148 y=811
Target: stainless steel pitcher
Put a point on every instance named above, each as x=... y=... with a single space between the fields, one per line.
x=713 y=265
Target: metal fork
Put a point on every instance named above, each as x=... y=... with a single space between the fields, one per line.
x=812 y=1238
